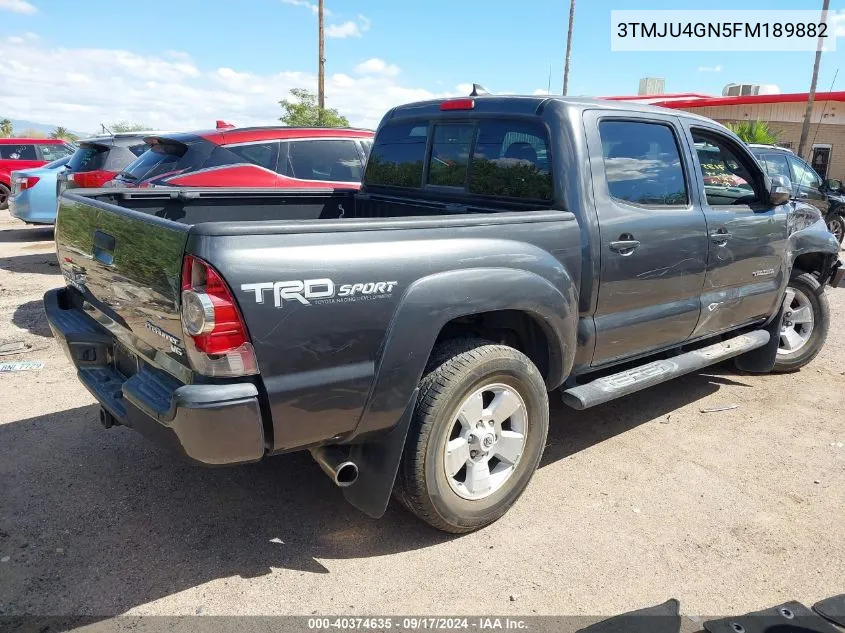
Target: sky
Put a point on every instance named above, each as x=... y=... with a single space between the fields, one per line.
x=183 y=64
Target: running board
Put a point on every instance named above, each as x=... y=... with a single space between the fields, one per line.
x=610 y=387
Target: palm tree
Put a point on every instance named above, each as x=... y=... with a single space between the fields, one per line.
x=64 y=134
x=568 y=47
x=755 y=132
x=6 y=128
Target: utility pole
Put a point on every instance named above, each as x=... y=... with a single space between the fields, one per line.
x=568 y=47
x=805 y=129
x=321 y=76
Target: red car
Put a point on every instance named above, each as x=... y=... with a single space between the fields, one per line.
x=26 y=153
x=252 y=157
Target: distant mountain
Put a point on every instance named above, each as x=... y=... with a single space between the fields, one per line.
x=21 y=124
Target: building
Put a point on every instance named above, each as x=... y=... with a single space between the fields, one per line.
x=784 y=113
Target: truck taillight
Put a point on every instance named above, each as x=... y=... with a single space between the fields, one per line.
x=26 y=182
x=211 y=319
x=91 y=179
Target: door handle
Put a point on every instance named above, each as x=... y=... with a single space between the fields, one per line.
x=720 y=237
x=625 y=245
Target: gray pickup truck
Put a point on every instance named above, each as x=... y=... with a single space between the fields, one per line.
x=408 y=334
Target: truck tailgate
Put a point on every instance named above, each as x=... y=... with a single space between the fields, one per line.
x=127 y=266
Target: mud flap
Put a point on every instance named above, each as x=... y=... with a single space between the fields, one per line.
x=378 y=463
x=762 y=360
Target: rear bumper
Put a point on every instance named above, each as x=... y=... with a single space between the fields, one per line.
x=211 y=424
x=31 y=208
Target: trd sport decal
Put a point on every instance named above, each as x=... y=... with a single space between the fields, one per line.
x=319 y=291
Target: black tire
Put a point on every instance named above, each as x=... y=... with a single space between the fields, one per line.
x=4 y=197
x=814 y=291
x=836 y=225
x=457 y=369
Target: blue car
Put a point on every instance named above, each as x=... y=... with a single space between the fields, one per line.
x=33 y=198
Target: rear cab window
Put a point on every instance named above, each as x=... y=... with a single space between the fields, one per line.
x=489 y=157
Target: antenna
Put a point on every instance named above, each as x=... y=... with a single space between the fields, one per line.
x=549 y=88
x=821 y=116
x=478 y=90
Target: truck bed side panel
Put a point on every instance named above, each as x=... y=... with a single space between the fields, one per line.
x=319 y=304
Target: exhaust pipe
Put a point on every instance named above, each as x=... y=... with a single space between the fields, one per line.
x=336 y=464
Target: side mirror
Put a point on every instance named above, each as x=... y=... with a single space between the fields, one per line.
x=780 y=191
x=831 y=184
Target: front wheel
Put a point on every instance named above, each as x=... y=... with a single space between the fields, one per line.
x=836 y=225
x=477 y=436
x=806 y=319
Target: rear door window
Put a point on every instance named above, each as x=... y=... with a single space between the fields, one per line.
x=776 y=165
x=264 y=155
x=642 y=163
x=51 y=152
x=324 y=160
x=18 y=152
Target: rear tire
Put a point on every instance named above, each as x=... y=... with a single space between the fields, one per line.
x=4 y=197
x=464 y=464
x=806 y=321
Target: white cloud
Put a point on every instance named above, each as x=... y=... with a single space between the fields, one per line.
x=312 y=6
x=837 y=23
x=709 y=69
x=349 y=28
x=376 y=66
x=17 y=6
x=80 y=88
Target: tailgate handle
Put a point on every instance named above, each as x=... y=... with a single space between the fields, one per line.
x=104 y=247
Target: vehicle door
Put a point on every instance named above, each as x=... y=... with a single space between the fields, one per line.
x=653 y=244
x=807 y=184
x=746 y=272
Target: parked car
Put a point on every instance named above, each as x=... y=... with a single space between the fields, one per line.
x=99 y=159
x=807 y=185
x=25 y=153
x=33 y=198
x=252 y=157
x=500 y=248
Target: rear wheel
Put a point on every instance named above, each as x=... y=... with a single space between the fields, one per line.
x=478 y=433
x=836 y=225
x=4 y=197
x=806 y=319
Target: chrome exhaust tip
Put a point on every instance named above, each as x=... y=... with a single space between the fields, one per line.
x=336 y=464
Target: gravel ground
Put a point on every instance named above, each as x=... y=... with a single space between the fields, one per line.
x=637 y=501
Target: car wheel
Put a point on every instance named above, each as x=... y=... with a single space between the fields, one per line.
x=806 y=320
x=4 y=197
x=477 y=436
x=836 y=225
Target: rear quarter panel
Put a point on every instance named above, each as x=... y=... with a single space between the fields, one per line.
x=319 y=361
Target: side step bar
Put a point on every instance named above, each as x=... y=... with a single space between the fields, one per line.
x=610 y=387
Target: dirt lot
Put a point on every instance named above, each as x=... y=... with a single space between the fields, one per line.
x=637 y=501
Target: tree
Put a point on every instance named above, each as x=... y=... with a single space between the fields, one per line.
x=126 y=126
x=31 y=133
x=755 y=132
x=303 y=111
x=64 y=134
x=6 y=128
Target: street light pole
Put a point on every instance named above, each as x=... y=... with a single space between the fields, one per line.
x=321 y=77
x=805 y=129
